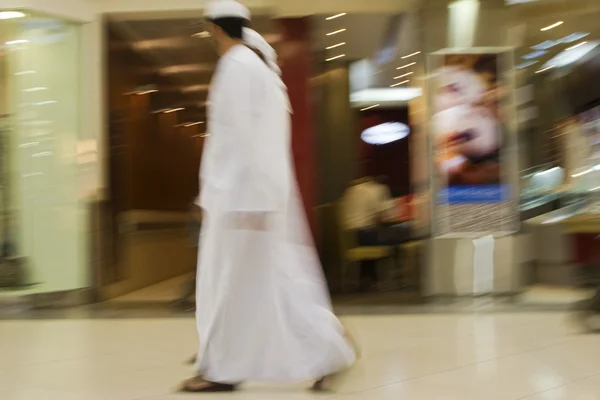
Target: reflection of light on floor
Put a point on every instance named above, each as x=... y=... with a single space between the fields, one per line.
x=548 y=294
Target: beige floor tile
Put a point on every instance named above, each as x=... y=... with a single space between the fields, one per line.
x=533 y=356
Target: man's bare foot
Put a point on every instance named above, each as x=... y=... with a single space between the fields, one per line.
x=199 y=385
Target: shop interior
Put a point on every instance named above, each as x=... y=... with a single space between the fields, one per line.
x=368 y=93
x=557 y=109
x=158 y=74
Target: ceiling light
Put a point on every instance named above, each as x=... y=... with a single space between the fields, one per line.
x=193 y=124
x=513 y=2
x=335 y=16
x=545 y=45
x=370 y=107
x=544 y=69
x=143 y=92
x=554 y=25
x=188 y=124
x=336 y=32
x=575 y=46
x=11 y=14
x=573 y=37
x=400 y=83
x=172 y=110
x=335 y=45
x=385 y=133
x=534 y=54
x=403 y=75
x=35 y=89
x=567 y=57
x=20 y=73
x=365 y=97
x=336 y=57
x=186 y=68
x=195 y=88
x=202 y=35
x=412 y=54
x=526 y=64
x=19 y=41
x=407 y=65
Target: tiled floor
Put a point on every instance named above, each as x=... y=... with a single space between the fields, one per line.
x=504 y=356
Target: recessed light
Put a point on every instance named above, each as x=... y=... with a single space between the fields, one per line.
x=20 y=73
x=35 y=89
x=400 y=83
x=335 y=16
x=403 y=75
x=575 y=46
x=336 y=57
x=544 y=69
x=143 y=92
x=189 y=124
x=202 y=35
x=370 y=107
x=335 y=45
x=336 y=32
x=194 y=88
x=554 y=25
x=172 y=110
x=407 y=65
x=193 y=124
x=19 y=41
x=11 y=14
x=412 y=54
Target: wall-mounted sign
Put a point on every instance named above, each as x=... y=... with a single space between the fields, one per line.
x=385 y=133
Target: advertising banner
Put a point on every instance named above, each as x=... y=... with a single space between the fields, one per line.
x=467 y=129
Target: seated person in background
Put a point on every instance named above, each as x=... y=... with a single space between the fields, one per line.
x=367 y=207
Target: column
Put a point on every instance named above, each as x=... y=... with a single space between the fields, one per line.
x=296 y=59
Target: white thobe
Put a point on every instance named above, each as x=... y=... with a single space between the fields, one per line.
x=263 y=310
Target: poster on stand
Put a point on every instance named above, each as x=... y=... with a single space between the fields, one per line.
x=468 y=129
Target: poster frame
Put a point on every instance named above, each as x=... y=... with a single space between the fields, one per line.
x=509 y=152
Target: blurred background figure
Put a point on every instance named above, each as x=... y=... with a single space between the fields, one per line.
x=186 y=302
x=368 y=210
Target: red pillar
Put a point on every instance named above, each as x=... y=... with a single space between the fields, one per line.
x=296 y=62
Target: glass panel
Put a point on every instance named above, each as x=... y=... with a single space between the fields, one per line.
x=40 y=88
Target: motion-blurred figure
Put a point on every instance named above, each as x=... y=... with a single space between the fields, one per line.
x=186 y=301
x=368 y=211
x=263 y=310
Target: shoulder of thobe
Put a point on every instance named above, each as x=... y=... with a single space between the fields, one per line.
x=236 y=92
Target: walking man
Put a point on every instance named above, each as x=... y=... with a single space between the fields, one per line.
x=263 y=310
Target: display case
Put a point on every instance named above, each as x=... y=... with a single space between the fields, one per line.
x=541 y=190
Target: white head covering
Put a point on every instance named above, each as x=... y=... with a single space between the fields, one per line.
x=255 y=40
x=216 y=9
